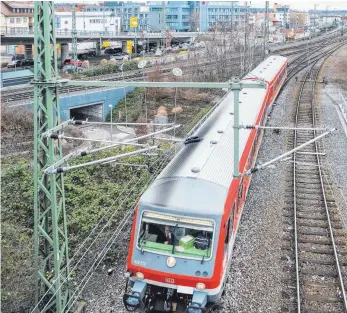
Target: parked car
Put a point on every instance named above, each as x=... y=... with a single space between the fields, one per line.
x=27 y=62
x=158 y=53
x=16 y=57
x=15 y=63
x=71 y=68
x=78 y=63
x=92 y=52
x=113 y=51
x=121 y=56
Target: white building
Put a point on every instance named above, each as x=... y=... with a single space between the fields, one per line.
x=88 y=21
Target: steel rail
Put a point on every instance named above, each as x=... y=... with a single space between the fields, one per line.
x=317 y=153
x=294 y=203
x=342 y=287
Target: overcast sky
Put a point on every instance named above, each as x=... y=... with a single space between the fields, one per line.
x=306 y=5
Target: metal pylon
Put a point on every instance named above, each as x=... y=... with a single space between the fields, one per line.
x=74 y=34
x=266 y=28
x=50 y=231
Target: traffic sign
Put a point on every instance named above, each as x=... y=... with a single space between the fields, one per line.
x=134 y=21
x=129 y=46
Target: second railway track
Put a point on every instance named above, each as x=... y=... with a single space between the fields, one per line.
x=315 y=241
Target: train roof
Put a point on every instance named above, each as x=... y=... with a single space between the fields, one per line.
x=204 y=168
x=268 y=69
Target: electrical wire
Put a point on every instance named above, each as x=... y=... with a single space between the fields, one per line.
x=109 y=219
x=187 y=128
x=108 y=245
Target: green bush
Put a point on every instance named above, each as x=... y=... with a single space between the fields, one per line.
x=135 y=107
x=109 y=69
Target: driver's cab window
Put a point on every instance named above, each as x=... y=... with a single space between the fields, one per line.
x=181 y=236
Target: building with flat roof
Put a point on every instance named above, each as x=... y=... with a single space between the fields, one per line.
x=16 y=17
x=178 y=16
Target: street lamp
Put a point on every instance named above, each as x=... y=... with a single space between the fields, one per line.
x=15 y=58
x=326 y=18
x=110 y=106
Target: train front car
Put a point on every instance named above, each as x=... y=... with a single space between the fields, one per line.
x=175 y=245
x=186 y=222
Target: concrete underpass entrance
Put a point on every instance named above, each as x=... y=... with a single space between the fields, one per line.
x=94 y=112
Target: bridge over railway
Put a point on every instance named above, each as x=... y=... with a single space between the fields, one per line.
x=27 y=37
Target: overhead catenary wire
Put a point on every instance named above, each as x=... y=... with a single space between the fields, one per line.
x=109 y=243
x=188 y=130
x=112 y=158
x=121 y=143
x=87 y=152
x=106 y=225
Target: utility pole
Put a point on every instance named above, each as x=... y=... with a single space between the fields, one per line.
x=164 y=26
x=314 y=20
x=266 y=28
x=247 y=48
x=74 y=34
x=284 y=23
x=50 y=225
x=326 y=18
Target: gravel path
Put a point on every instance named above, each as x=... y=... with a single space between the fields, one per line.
x=335 y=70
x=255 y=278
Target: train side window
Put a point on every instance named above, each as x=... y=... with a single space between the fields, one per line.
x=240 y=188
x=227 y=224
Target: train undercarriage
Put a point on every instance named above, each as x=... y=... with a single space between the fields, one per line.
x=151 y=299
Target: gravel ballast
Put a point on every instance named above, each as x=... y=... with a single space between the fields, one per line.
x=254 y=283
x=335 y=70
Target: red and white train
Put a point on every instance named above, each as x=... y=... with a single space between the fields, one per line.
x=186 y=222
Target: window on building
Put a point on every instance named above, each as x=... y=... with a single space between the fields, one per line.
x=25 y=19
x=12 y=20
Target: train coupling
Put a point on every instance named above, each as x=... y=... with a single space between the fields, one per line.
x=134 y=300
x=199 y=301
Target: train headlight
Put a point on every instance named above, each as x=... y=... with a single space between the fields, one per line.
x=171 y=261
x=200 y=286
x=140 y=275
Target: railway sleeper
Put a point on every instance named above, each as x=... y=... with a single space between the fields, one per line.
x=317 y=261
x=322 y=298
x=314 y=233
x=319 y=218
x=319 y=273
x=313 y=311
x=309 y=196
x=319 y=224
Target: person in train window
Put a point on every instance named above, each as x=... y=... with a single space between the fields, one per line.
x=167 y=237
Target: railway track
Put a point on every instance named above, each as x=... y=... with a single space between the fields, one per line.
x=15 y=95
x=302 y=61
x=315 y=242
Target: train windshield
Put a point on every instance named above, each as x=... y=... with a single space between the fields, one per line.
x=176 y=235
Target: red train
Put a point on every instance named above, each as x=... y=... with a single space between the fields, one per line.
x=186 y=222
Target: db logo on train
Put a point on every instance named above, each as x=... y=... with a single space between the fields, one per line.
x=169 y=280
